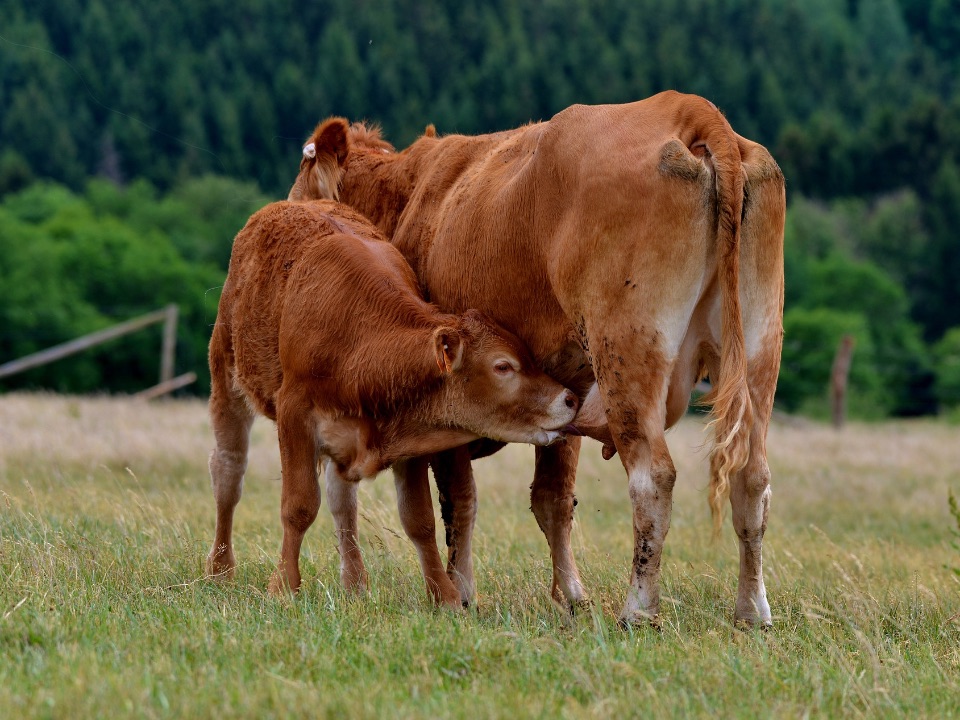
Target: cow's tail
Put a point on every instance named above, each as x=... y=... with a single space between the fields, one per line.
x=732 y=412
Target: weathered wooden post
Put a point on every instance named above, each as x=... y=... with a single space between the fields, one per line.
x=168 y=383
x=83 y=343
x=838 y=379
x=168 y=351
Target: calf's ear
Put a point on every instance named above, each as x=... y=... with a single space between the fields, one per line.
x=449 y=349
x=324 y=158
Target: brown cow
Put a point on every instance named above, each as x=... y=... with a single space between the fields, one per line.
x=635 y=249
x=322 y=328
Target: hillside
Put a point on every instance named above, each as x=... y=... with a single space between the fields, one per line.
x=858 y=101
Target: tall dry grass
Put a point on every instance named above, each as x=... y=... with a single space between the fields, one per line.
x=106 y=514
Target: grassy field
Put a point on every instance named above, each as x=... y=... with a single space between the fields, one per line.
x=106 y=515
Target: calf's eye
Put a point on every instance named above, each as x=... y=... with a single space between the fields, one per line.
x=503 y=368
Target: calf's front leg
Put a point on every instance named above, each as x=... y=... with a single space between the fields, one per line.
x=342 y=497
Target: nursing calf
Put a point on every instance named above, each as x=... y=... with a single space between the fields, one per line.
x=321 y=327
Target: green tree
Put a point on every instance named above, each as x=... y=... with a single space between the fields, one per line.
x=809 y=345
x=68 y=267
x=946 y=355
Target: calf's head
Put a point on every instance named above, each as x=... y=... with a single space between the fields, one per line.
x=493 y=388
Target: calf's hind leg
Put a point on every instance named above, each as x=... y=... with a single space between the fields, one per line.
x=300 y=493
x=231 y=419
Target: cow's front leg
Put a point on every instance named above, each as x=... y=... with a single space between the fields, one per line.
x=457 y=489
x=416 y=514
x=300 y=493
x=552 y=501
x=342 y=497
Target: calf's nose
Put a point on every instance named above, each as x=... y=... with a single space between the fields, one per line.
x=570 y=400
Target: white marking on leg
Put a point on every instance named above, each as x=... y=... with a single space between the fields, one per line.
x=642 y=599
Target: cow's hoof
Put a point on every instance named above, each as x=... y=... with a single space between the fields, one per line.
x=748 y=624
x=581 y=606
x=640 y=619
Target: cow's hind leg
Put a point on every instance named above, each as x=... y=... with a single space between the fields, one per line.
x=761 y=282
x=552 y=501
x=458 y=507
x=750 y=495
x=416 y=514
x=300 y=493
x=342 y=497
x=750 y=501
x=651 y=476
x=633 y=380
x=231 y=419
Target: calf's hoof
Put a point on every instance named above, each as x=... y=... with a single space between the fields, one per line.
x=279 y=587
x=445 y=595
x=355 y=583
x=576 y=600
x=220 y=565
x=580 y=606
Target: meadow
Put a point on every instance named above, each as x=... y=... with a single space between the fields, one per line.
x=106 y=515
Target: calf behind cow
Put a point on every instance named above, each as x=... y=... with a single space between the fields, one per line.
x=321 y=327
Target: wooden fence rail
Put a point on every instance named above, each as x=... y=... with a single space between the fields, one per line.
x=168 y=316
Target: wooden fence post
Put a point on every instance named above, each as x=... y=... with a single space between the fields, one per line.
x=168 y=383
x=838 y=379
x=82 y=343
x=168 y=351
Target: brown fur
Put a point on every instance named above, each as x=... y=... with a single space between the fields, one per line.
x=626 y=228
x=322 y=328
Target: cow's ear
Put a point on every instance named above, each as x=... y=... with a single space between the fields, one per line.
x=324 y=158
x=449 y=349
x=329 y=141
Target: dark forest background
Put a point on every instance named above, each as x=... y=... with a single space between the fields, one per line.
x=136 y=138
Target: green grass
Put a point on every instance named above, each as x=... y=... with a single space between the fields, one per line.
x=106 y=516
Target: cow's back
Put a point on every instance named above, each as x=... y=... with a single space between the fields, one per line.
x=536 y=217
